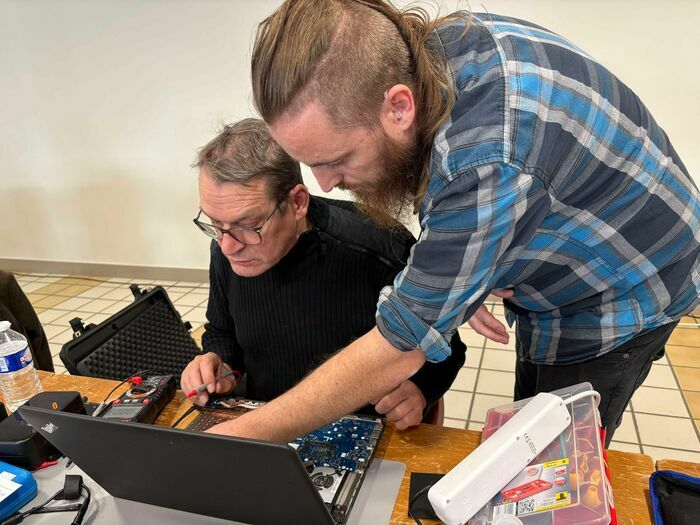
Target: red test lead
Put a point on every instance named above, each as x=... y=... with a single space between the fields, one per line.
x=202 y=388
x=46 y=464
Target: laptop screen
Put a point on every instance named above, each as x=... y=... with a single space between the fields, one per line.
x=337 y=456
x=232 y=478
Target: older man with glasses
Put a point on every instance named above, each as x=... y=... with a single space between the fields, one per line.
x=294 y=278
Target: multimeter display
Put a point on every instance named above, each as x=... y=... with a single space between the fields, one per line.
x=122 y=411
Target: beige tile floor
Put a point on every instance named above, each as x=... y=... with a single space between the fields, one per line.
x=663 y=419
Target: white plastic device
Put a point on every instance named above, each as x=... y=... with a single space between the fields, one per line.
x=477 y=478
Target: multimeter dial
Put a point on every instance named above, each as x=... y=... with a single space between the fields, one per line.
x=139 y=392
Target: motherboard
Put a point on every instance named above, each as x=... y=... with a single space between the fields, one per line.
x=347 y=444
x=336 y=456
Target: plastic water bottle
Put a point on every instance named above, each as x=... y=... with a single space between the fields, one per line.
x=18 y=378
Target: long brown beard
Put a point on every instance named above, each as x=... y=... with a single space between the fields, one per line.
x=390 y=202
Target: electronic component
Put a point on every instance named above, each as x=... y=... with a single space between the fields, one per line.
x=526 y=489
x=346 y=444
x=336 y=455
x=142 y=402
x=327 y=480
x=20 y=444
x=337 y=488
x=483 y=473
x=566 y=482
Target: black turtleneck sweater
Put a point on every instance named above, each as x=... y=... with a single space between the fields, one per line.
x=322 y=295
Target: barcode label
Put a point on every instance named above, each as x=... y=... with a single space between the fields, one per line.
x=526 y=506
x=503 y=510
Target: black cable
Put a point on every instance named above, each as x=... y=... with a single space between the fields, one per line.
x=183 y=416
x=413 y=502
x=17 y=518
x=64 y=508
x=78 y=520
x=41 y=509
x=139 y=373
x=104 y=404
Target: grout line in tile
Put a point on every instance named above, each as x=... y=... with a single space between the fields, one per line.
x=657 y=414
x=685 y=401
x=490 y=369
x=668 y=448
x=686 y=366
x=626 y=442
x=636 y=427
x=657 y=387
x=476 y=382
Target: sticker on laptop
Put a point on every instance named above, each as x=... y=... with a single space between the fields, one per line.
x=49 y=427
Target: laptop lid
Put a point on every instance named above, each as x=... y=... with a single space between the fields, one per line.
x=231 y=478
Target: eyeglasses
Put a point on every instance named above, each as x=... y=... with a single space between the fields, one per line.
x=241 y=234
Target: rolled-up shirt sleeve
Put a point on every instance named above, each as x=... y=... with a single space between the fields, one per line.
x=473 y=228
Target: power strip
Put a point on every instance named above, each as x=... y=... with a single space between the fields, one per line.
x=465 y=489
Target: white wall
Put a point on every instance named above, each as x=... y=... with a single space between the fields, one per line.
x=103 y=104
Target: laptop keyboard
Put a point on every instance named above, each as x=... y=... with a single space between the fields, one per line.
x=207 y=419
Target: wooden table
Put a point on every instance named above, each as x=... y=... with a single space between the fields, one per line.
x=438 y=449
x=685 y=467
x=426 y=448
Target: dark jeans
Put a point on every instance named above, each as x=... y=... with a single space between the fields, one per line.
x=615 y=375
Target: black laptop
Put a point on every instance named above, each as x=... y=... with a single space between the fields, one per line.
x=226 y=477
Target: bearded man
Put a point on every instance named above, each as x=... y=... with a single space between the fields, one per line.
x=533 y=169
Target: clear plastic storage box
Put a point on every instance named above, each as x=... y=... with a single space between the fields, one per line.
x=567 y=484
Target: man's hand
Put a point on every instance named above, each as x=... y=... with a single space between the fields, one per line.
x=404 y=405
x=203 y=370
x=484 y=323
x=365 y=369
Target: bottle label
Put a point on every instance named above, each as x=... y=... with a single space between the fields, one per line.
x=17 y=361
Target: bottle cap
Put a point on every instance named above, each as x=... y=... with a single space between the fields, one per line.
x=4 y=325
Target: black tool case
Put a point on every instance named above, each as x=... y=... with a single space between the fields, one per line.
x=149 y=334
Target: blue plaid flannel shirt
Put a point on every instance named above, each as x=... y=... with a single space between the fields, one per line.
x=552 y=178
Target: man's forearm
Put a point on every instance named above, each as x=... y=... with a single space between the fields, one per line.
x=365 y=370
x=435 y=379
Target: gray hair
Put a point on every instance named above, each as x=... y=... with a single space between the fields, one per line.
x=245 y=150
